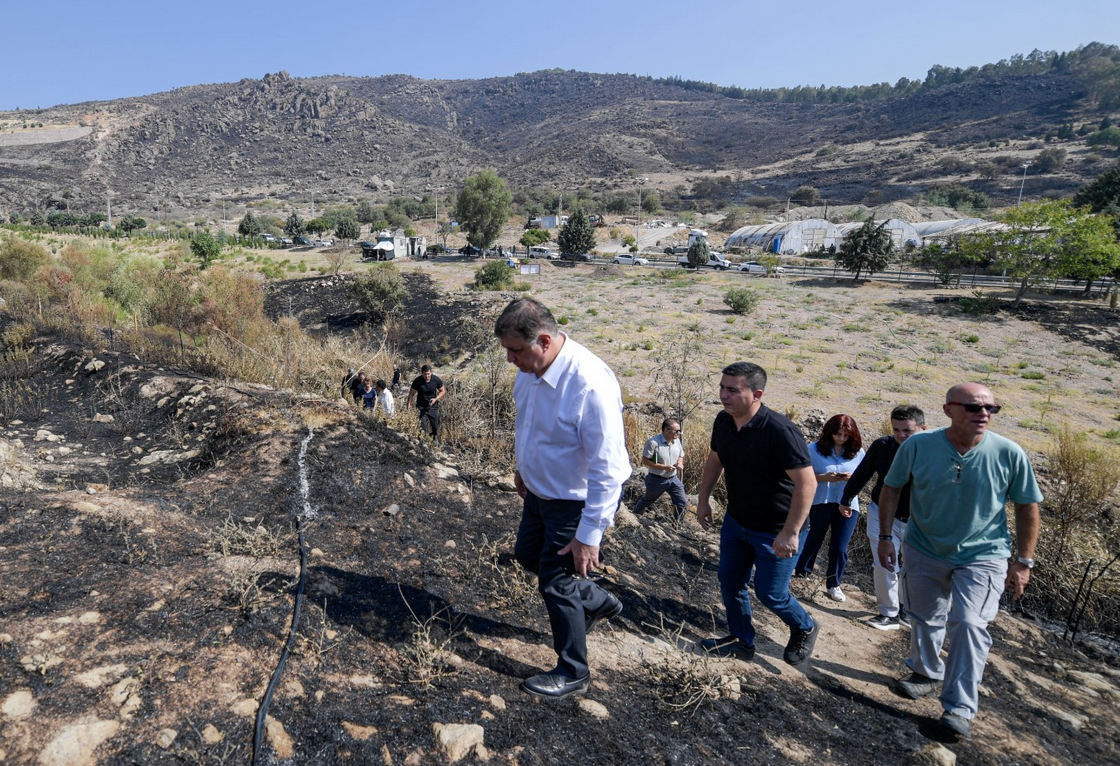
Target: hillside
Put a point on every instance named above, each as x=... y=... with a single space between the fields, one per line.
x=340 y=139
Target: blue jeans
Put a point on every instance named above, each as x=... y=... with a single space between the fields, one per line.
x=822 y=518
x=742 y=551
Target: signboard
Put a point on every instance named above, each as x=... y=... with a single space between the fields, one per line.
x=530 y=268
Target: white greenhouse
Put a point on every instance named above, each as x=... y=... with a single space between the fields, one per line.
x=903 y=233
x=789 y=238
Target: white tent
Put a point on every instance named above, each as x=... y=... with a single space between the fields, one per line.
x=790 y=238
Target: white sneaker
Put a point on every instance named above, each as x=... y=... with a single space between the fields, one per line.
x=836 y=594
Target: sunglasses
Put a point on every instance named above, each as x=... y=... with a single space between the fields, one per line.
x=992 y=409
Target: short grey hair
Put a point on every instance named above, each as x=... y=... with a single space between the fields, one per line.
x=755 y=375
x=526 y=319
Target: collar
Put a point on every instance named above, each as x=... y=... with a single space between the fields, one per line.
x=559 y=365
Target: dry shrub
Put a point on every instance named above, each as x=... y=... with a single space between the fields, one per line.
x=687 y=678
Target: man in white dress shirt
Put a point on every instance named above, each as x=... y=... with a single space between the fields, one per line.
x=571 y=465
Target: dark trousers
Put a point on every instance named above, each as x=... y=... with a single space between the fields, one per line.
x=656 y=486
x=430 y=414
x=822 y=518
x=546 y=527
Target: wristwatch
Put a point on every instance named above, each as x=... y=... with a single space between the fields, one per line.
x=1028 y=563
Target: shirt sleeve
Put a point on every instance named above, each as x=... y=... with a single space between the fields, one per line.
x=650 y=450
x=863 y=473
x=604 y=442
x=1023 y=488
x=903 y=465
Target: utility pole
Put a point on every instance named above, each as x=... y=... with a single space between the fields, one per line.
x=1023 y=182
x=638 y=225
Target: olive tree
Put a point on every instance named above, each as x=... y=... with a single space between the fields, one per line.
x=483 y=207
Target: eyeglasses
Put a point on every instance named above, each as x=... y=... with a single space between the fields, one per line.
x=991 y=409
x=673 y=430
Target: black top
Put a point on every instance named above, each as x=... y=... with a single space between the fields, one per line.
x=755 y=459
x=877 y=462
x=426 y=392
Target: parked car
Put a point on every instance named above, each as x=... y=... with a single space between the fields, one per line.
x=325 y=242
x=715 y=261
x=470 y=250
x=435 y=250
x=539 y=251
x=754 y=267
x=577 y=257
x=626 y=259
x=303 y=241
x=285 y=241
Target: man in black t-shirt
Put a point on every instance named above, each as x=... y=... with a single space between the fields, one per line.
x=770 y=485
x=427 y=390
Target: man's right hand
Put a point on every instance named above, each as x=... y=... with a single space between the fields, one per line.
x=887 y=557
x=704 y=513
x=519 y=484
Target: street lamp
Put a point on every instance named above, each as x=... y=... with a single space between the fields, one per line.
x=1023 y=182
x=637 y=226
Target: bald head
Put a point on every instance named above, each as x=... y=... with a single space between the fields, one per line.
x=967 y=392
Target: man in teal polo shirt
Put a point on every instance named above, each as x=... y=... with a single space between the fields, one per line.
x=957 y=546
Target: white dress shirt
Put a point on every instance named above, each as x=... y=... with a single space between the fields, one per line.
x=385 y=399
x=570 y=441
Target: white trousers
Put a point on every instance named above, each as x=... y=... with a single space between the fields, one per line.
x=958 y=601
x=886 y=580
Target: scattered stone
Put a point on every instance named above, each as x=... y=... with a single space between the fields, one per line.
x=386 y=756
x=247 y=708
x=497 y=702
x=505 y=484
x=293 y=688
x=365 y=682
x=124 y=693
x=95 y=366
x=211 y=735
x=6 y=638
x=43 y=435
x=1074 y=721
x=19 y=704
x=359 y=732
x=317 y=552
x=75 y=745
x=409 y=480
x=457 y=740
x=99 y=418
x=89 y=618
x=93 y=489
x=168 y=456
x=415 y=758
x=400 y=699
x=449 y=544
x=166 y=737
x=392 y=510
x=594 y=709
x=98 y=677
x=935 y=754
x=445 y=472
x=64 y=451
x=84 y=507
x=280 y=739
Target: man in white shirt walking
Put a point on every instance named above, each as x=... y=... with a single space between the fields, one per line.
x=571 y=465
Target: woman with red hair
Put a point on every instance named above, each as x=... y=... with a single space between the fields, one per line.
x=835 y=456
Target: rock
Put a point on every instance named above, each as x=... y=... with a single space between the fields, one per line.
x=505 y=484
x=166 y=737
x=89 y=618
x=211 y=735
x=99 y=418
x=359 y=732
x=594 y=709
x=457 y=740
x=19 y=704
x=450 y=544
x=75 y=745
x=124 y=693
x=84 y=507
x=935 y=754
x=43 y=435
x=95 y=366
x=246 y=708
x=392 y=510
x=497 y=702
x=279 y=738
x=93 y=489
x=98 y=677
x=445 y=472
x=408 y=479
x=1074 y=721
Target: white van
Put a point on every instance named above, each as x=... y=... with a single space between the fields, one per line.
x=537 y=251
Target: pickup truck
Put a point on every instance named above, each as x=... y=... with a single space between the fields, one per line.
x=715 y=261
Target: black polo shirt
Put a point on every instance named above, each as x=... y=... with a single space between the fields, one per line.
x=877 y=462
x=426 y=392
x=755 y=459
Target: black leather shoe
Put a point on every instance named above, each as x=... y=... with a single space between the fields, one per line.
x=801 y=643
x=612 y=607
x=555 y=686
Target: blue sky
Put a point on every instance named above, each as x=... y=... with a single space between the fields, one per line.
x=68 y=52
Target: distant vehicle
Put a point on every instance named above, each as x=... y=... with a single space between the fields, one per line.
x=303 y=241
x=630 y=260
x=577 y=257
x=539 y=251
x=285 y=240
x=268 y=237
x=754 y=267
x=470 y=250
x=365 y=243
x=325 y=242
x=715 y=261
x=435 y=250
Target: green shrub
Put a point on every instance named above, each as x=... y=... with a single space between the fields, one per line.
x=495 y=275
x=741 y=300
x=563 y=320
x=380 y=291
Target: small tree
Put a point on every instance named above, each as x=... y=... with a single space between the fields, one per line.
x=1085 y=478
x=483 y=207
x=250 y=226
x=130 y=223
x=19 y=259
x=699 y=252
x=741 y=300
x=577 y=235
x=534 y=237
x=867 y=248
x=347 y=229
x=205 y=248
x=293 y=227
x=379 y=292
x=805 y=195
x=317 y=225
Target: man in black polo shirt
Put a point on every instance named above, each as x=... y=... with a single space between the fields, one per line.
x=427 y=390
x=770 y=486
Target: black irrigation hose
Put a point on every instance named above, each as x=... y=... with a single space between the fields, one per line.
x=262 y=712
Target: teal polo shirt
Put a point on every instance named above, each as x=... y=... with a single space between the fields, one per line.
x=958 y=503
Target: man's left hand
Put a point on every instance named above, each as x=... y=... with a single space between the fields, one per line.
x=585 y=557
x=1018 y=575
